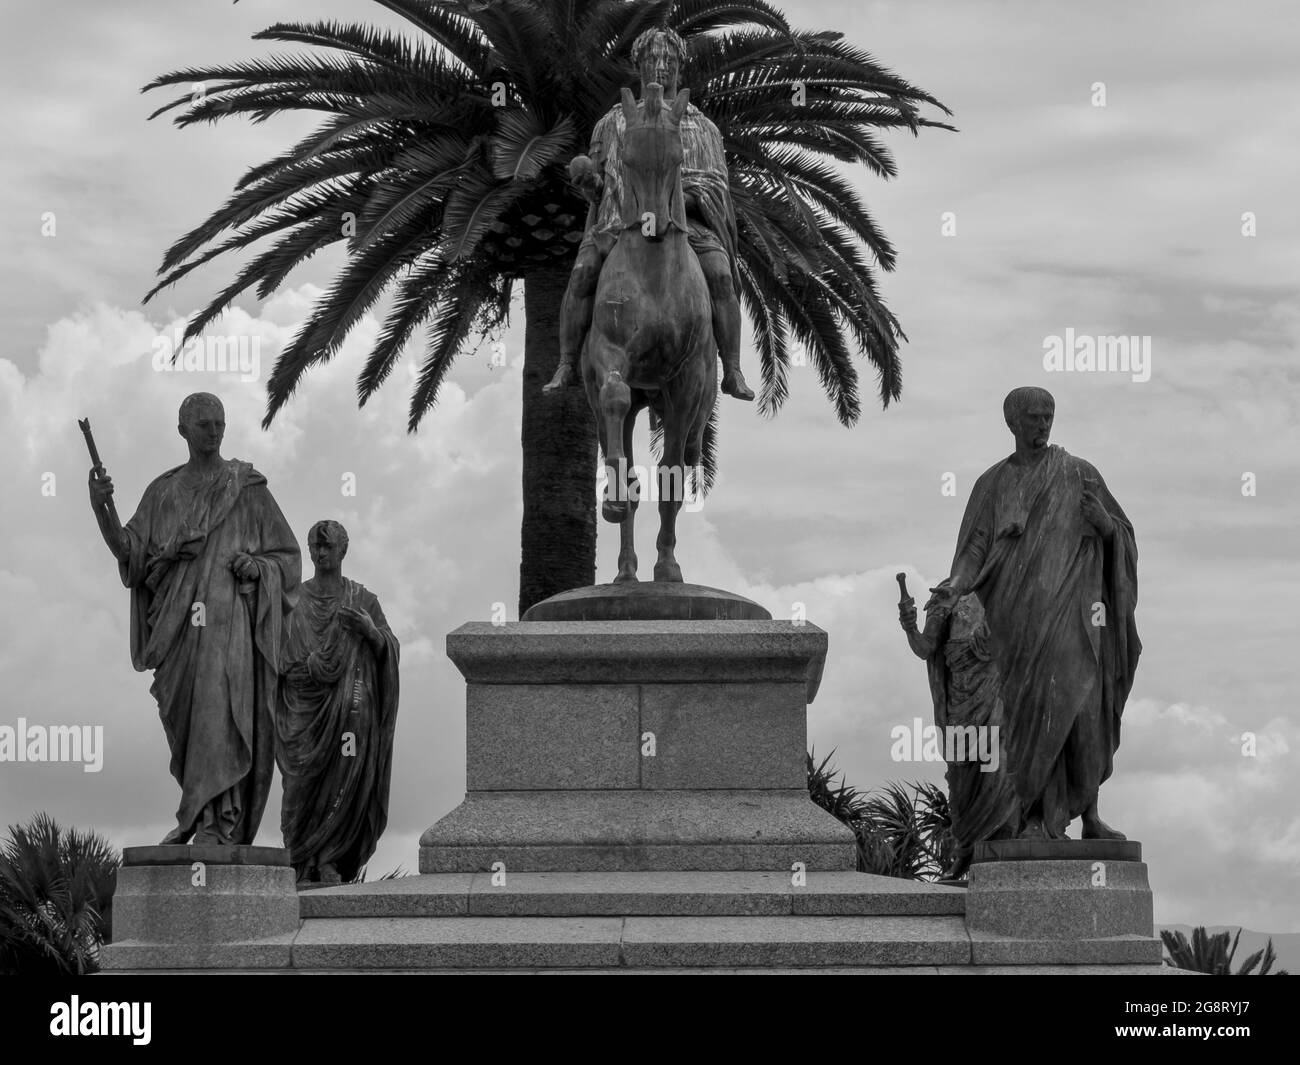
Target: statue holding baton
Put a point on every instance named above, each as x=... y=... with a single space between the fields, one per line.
x=213 y=568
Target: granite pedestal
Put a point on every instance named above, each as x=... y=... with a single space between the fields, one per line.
x=203 y=907
x=1063 y=902
x=637 y=745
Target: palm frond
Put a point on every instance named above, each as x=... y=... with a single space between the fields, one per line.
x=410 y=144
x=56 y=889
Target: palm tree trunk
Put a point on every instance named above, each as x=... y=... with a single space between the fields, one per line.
x=558 y=534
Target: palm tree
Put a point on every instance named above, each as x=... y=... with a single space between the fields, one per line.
x=441 y=162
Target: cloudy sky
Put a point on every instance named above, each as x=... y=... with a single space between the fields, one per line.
x=1122 y=219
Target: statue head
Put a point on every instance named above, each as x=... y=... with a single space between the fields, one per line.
x=1029 y=412
x=202 y=422
x=327 y=543
x=659 y=54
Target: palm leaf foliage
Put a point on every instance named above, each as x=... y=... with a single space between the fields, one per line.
x=392 y=874
x=439 y=168
x=903 y=830
x=56 y=889
x=1213 y=954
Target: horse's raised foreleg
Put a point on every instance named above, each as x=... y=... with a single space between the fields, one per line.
x=615 y=400
x=626 y=541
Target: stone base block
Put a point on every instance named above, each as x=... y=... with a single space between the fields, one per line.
x=655 y=743
x=180 y=907
x=1060 y=911
x=1059 y=899
x=581 y=736
x=622 y=831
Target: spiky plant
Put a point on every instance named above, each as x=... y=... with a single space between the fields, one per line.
x=392 y=874
x=56 y=888
x=904 y=831
x=440 y=167
x=1213 y=954
x=890 y=817
x=841 y=801
x=934 y=817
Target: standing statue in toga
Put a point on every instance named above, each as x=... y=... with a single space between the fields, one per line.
x=335 y=718
x=1052 y=557
x=213 y=568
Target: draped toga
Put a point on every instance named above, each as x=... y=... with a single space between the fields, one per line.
x=212 y=640
x=336 y=716
x=1059 y=600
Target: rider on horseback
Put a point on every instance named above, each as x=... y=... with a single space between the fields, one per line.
x=711 y=220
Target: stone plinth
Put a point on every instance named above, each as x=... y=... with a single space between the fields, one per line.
x=647 y=601
x=1079 y=902
x=637 y=745
x=183 y=907
x=1038 y=850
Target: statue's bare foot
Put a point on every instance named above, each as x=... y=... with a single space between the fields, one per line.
x=1034 y=829
x=208 y=839
x=733 y=384
x=1096 y=828
x=329 y=874
x=564 y=378
x=177 y=835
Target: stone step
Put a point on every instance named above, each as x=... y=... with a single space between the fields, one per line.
x=637 y=829
x=693 y=894
x=794 y=942
x=827 y=970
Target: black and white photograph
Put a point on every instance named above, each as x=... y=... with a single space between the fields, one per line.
x=651 y=488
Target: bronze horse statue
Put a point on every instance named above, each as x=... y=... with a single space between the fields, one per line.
x=651 y=340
